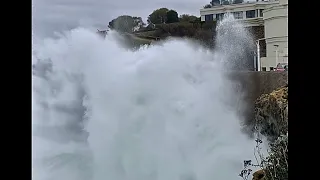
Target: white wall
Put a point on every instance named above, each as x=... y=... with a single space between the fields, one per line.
x=202 y=18
x=283 y=1
x=276 y=21
x=276 y=33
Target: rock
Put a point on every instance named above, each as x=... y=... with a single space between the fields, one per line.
x=271 y=113
x=271 y=120
x=258 y=175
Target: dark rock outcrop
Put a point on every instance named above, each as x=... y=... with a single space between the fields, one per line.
x=258 y=175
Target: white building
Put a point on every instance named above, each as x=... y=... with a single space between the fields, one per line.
x=276 y=34
x=272 y=14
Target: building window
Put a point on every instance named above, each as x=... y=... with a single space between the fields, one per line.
x=214 y=17
x=264 y=69
x=238 y=15
x=251 y=14
x=208 y=17
x=261 y=12
x=220 y=16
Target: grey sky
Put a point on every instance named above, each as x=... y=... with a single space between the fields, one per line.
x=58 y=15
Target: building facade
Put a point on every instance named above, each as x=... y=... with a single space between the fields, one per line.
x=272 y=15
x=276 y=35
x=250 y=13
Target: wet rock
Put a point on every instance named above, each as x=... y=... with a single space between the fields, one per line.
x=258 y=175
x=271 y=113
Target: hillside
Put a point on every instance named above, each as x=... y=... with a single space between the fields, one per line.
x=201 y=31
x=163 y=23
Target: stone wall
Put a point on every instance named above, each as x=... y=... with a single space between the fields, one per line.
x=253 y=84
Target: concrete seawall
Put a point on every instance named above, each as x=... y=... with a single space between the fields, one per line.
x=252 y=84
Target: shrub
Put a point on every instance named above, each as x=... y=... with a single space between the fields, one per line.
x=275 y=165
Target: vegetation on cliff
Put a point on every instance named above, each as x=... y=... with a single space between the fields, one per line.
x=163 y=23
x=271 y=115
x=126 y=23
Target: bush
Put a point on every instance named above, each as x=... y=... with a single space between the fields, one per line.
x=207 y=6
x=205 y=37
x=274 y=166
x=271 y=120
x=203 y=32
x=178 y=29
x=189 y=29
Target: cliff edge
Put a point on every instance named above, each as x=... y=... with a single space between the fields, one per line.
x=271 y=113
x=271 y=120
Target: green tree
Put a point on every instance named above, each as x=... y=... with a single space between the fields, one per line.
x=172 y=16
x=215 y=2
x=126 y=23
x=237 y=1
x=138 y=23
x=187 y=18
x=225 y=2
x=207 y=6
x=150 y=26
x=158 y=16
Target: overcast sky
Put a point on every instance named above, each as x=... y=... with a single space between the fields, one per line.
x=59 y=15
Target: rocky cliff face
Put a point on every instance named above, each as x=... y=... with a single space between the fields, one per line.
x=271 y=120
x=271 y=113
x=250 y=85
